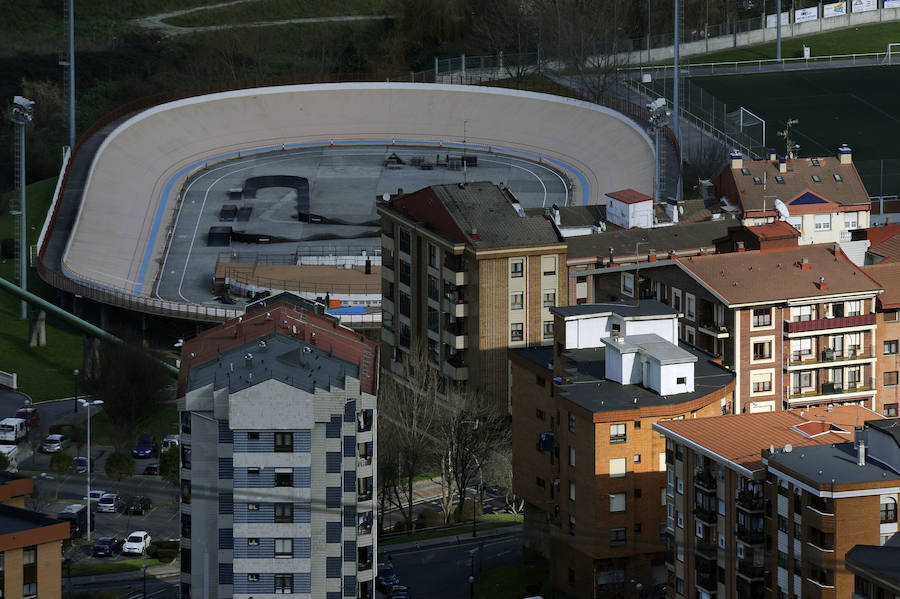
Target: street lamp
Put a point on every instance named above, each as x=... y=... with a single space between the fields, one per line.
x=88 y=404
x=76 y=373
x=474 y=500
x=144 y=568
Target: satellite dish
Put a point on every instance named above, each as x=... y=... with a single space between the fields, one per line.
x=788 y=448
x=385 y=196
x=771 y=449
x=782 y=209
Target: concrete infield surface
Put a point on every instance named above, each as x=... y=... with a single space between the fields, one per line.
x=132 y=189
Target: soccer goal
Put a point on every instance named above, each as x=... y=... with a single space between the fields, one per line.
x=893 y=54
x=748 y=129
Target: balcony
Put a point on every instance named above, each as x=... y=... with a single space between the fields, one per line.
x=706 y=516
x=456 y=370
x=717 y=331
x=387 y=270
x=455 y=306
x=822 y=324
x=455 y=277
x=751 y=536
x=832 y=390
x=750 y=591
x=708 y=550
x=829 y=357
x=749 y=502
x=455 y=337
x=705 y=479
x=750 y=571
x=387 y=240
x=706 y=581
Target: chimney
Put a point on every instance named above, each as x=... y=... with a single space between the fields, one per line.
x=845 y=155
x=474 y=234
x=803 y=264
x=772 y=155
x=739 y=246
x=651 y=258
x=782 y=165
x=823 y=286
x=737 y=160
x=861 y=454
x=555 y=213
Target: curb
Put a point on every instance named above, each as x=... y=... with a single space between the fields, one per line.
x=161 y=571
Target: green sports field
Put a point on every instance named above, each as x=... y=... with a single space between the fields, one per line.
x=857 y=106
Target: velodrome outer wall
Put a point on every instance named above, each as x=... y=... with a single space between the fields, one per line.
x=133 y=183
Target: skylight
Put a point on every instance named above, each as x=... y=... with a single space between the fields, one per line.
x=817 y=178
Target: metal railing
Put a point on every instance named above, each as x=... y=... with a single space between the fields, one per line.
x=762 y=64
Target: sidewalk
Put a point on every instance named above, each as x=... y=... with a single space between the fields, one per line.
x=160 y=571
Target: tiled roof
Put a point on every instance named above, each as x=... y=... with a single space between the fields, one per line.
x=480 y=214
x=740 y=438
x=799 y=191
x=778 y=230
x=888 y=276
x=880 y=234
x=629 y=196
x=678 y=237
x=756 y=277
x=885 y=242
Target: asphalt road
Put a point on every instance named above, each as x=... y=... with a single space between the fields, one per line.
x=443 y=572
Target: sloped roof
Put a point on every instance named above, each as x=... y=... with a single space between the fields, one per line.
x=629 y=196
x=885 y=242
x=740 y=438
x=778 y=230
x=888 y=276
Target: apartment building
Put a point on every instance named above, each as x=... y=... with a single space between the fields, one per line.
x=739 y=524
x=277 y=456
x=824 y=198
x=585 y=458
x=796 y=324
x=467 y=275
x=887 y=336
x=874 y=569
x=827 y=499
x=30 y=544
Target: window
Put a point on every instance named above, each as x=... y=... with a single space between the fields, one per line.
x=516 y=301
x=405 y=304
x=891 y=347
x=823 y=222
x=762 y=350
x=617 y=433
x=679 y=484
x=405 y=241
x=253 y=542
x=539 y=413
x=253 y=471
x=838 y=178
x=762 y=317
x=253 y=436
x=891 y=315
x=540 y=482
x=617 y=502
x=516 y=269
x=549 y=299
x=757 y=180
x=690 y=303
x=284 y=479
x=890 y=378
x=29 y=571
x=815 y=162
x=571 y=525
x=571 y=456
x=284 y=548
x=434 y=288
x=548 y=265
x=252 y=577
x=681 y=380
x=676 y=299
x=405 y=272
x=890 y=410
x=745 y=171
x=779 y=179
x=662 y=496
x=628 y=283
x=796 y=222
x=616 y=467
x=284 y=584
x=850 y=220
x=854 y=308
x=252 y=507
x=571 y=422
x=801 y=313
x=617 y=537
x=516 y=331
x=571 y=490
x=284 y=512
x=284 y=442
x=637 y=458
x=888 y=510
x=432 y=256
x=548 y=329
x=679 y=586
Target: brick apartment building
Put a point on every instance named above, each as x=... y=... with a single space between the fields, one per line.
x=887 y=336
x=767 y=504
x=30 y=544
x=874 y=569
x=585 y=458
x=825 y=197
x=796 y=324
x=277 y=475
x=466 y=275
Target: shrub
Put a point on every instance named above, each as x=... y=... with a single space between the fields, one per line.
x=119 y=465
x=164 y=551
x=428 y=518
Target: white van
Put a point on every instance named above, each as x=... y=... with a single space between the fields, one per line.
x=170 y=441
x=12 y=430
x=12 y=454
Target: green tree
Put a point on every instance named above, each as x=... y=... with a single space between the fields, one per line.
x=169 y=466
x=119 y=465
x=61 y=464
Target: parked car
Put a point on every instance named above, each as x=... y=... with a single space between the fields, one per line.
x=398 y=591
x=107 y=546
x=386 y=579
x=55 y=443
x=139 y=505
x=145 y=447
x=152 y=470
x=30 y=415
x=81 y=465
x=95 y=495
x=137 y=542
x=170 y=441
x=109 y=503
x=12 y=430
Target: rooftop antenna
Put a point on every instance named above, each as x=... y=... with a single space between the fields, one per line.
x=786 y=134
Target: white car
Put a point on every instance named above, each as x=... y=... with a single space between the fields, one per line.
x=95 y=495
x=137 y=542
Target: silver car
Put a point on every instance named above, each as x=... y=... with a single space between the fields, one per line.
x=55 y=443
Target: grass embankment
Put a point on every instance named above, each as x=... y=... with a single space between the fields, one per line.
x=163 y=421
x=43 y=372
x=859 y=40
x=110 y=567
x=512 y=582
x=255 y=11
x=484 y=522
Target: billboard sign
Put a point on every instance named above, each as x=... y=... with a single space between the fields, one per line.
x=835 y=9
x=863 y=5
x=806 y=14
x=785 y=19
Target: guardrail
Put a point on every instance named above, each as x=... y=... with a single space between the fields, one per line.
x=743 y=66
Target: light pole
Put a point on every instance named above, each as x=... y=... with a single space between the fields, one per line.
x=22 y=113
x=144 y=568
x=76 y=373
x=88 y=404
x=474 y=500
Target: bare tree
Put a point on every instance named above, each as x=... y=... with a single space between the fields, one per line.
x=511 y=30
x=498 y=472
x=407 y=412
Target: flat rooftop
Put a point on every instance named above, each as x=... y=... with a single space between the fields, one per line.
x=683 y=236
x=14 y=520
x=832 y=464
x=652 y=345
